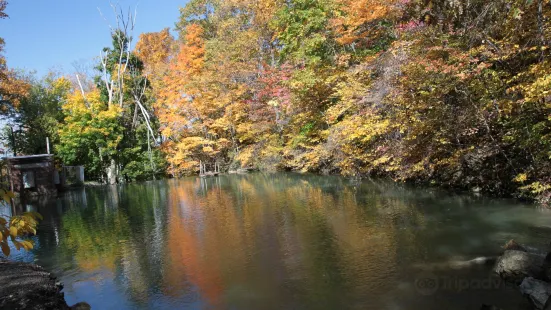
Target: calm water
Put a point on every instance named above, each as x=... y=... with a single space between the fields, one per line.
x=278 y=241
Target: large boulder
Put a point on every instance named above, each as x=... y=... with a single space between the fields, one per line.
x=514 y=266
x=538 y=291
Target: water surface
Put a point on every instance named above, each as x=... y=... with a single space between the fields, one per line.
x=278 y=241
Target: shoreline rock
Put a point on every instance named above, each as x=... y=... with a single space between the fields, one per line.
x=513 y=266
x=29 y=286
x=537 y=290
x=530 y=270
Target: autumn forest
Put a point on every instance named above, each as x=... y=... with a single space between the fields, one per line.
x=437 y=92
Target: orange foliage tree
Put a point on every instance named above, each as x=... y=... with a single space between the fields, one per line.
x=357 y=21
x=176 y=113
x=154 y=50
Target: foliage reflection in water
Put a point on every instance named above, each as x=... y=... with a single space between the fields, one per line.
x=273 y=241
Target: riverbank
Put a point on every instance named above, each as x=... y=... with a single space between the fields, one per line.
x=432 y=185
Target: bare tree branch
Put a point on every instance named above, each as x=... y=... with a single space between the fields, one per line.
x=81 y=89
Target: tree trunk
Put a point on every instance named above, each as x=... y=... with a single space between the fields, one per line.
x=112 y=172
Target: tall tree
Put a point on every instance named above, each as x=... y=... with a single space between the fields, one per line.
x=179 y=110
x=122 y=82
x=155 y=49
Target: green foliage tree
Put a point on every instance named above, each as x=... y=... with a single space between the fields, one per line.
x=303 y=32
x=39 y=115
x=122 y=82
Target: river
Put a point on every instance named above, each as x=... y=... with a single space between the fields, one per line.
x=279 y=241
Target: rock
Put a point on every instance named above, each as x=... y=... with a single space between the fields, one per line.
x=514 y=266
x=28 y=286
x=538 y=291
x=81 y=306
x=514 y=246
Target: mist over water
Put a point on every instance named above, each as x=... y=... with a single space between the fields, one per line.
x=279 y=241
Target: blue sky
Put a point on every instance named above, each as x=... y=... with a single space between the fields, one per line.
x=42 y=34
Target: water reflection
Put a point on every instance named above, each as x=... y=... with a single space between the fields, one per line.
x=269 y=241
